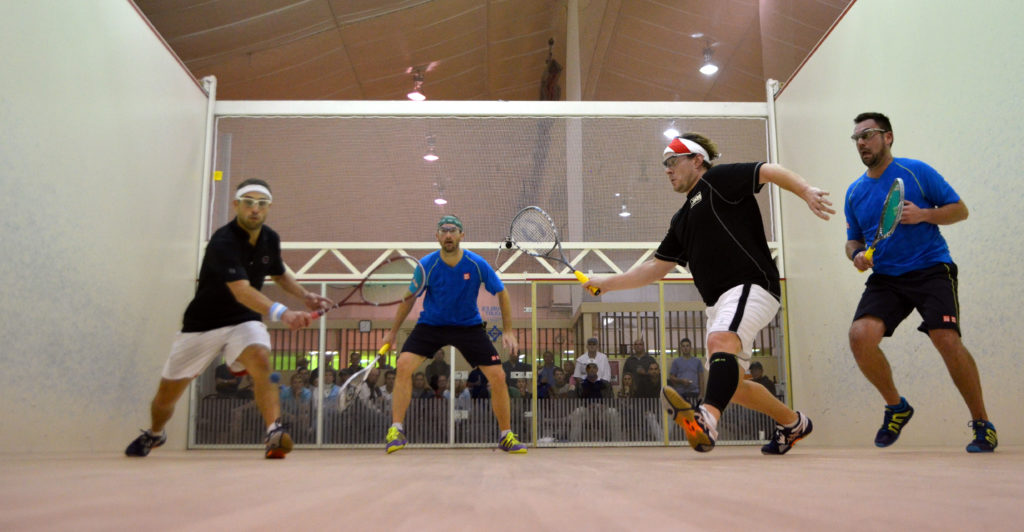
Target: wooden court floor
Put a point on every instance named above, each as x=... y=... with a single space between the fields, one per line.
x=592 y=489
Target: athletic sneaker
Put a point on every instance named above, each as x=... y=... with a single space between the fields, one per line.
x=278 y=442
x=700 y=426
x=395 y=440
x=985 y=439
x=143 y=444
x=893 y=422
x=784 y=438
x=511 y=444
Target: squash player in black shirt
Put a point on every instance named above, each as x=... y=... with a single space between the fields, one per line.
x=224 y=318
x=719 y=236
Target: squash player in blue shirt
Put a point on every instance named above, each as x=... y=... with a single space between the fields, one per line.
x=912 y=269
x=450 y=317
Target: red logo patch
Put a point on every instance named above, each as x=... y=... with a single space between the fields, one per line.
x=465 y=276
x=949 y=319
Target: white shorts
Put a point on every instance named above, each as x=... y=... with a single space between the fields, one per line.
x=744 y=310
x=192 y=352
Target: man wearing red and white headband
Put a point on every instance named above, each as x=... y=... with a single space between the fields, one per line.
x=224 y=318
x=719 y=236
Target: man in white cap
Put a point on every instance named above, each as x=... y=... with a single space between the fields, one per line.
x=593 y=356
x=224 y=318
x=719 y=236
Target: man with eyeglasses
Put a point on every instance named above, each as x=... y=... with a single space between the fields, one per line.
x=450 y=316
x=912 y=269
x=224 y=318
x=718 y=234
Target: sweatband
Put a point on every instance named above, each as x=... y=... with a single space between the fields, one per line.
x=253 y=188
x=276 y=311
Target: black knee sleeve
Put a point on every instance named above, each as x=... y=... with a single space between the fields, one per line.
x=723 y=378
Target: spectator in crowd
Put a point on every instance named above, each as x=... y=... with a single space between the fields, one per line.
x=520 y=389
x=628 y=388
x=389 y=384
x=354 y=361
x=329 y=393
x=546 y=373
x=477 y=385
x=604 y=369
x=593 y=389
x=562 y=388
x=757 y=375
x=438 y=366
x=514 y=365
x=227 y=384
x=440 y=385
x=420 y=389
x=639 y=360
x=296 y=393
x=569 y=367
x=686 y=374
x=649 y=384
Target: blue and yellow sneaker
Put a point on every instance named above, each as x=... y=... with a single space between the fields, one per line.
x=511 y=444
x=892 y=424
x=985 y=439
x=395 y=440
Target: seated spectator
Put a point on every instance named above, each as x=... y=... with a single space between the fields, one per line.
x=520 y=389
x=420 y=389
x=546 y=373
x=561 y=388
x=648 y=383
x=602 y=416
x=569 y=367
x=639 y=360
x=477 y=384
x=297 y=393
x=355 y=359
x=440 y=385
x=389 y=384
x=228 y=384
x=592 y=355
x=512 y=366
x=369 y=393
x=329 y=393
x=438 y=366
x=757 y=375
x=628 y=388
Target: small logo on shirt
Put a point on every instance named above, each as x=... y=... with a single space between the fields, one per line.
x=949 y=319
x=465 y=276
x=695 y=200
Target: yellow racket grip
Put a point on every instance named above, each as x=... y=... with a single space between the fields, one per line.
x=581 y=277
x=383 y=349
x=869 y=253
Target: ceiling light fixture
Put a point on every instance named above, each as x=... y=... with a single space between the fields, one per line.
x=624 y=212
x=708 y=68
x=671 y=132
x=417 y=86
x=440 y=201
x=431 y=154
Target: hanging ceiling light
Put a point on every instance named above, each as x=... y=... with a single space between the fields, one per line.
x=624 y=212
x=431 y=154
x=708 y=68
x=440 y=201
x=671 y=132
x=417 y=86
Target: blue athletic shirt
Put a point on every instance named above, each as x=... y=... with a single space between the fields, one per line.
x=451 y=292
x=912 y=246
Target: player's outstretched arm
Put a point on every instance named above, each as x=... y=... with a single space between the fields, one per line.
x=817 y=199
x=642 y=274
x=508 y=336
x=313 y=301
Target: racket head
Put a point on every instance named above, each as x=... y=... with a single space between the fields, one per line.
x=395 y=280
x=535 y=229
x=892 y=210
x=350 y=388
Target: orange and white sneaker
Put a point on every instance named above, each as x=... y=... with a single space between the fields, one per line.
x=278 y=443
x=700 y=426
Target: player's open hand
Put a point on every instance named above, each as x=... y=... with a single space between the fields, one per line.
x=510 y=342
x=818 y=202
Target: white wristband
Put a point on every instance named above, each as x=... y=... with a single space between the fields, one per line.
x=276 y=311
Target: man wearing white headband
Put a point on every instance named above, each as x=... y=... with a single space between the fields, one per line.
x=719 y=236
x=224 y=318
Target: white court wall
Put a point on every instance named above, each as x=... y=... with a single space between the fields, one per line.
x=948 y=75
x=101 y=151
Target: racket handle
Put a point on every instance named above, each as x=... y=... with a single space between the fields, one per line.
x=581 y=277
x=383 y=349
x=869 y=253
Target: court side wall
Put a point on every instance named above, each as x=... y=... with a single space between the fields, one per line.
x=101 y=153
x=949 y=78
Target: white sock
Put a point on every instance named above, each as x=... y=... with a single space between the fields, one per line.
x=398 y=426
x=273 y=426
x=794 y=424
x=503 y=433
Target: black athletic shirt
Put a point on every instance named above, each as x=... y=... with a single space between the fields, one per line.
x=718 y=234
x=229 y=257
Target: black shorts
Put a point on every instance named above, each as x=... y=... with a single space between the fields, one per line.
x=472 y=342
x=932 y=291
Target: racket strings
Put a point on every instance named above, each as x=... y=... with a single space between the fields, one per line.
x=535 y=228
x=393 y=281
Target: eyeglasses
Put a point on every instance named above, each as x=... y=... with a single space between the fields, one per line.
x=867 y=134
x=448 y=229
x=252 y=202
x=671 y=162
